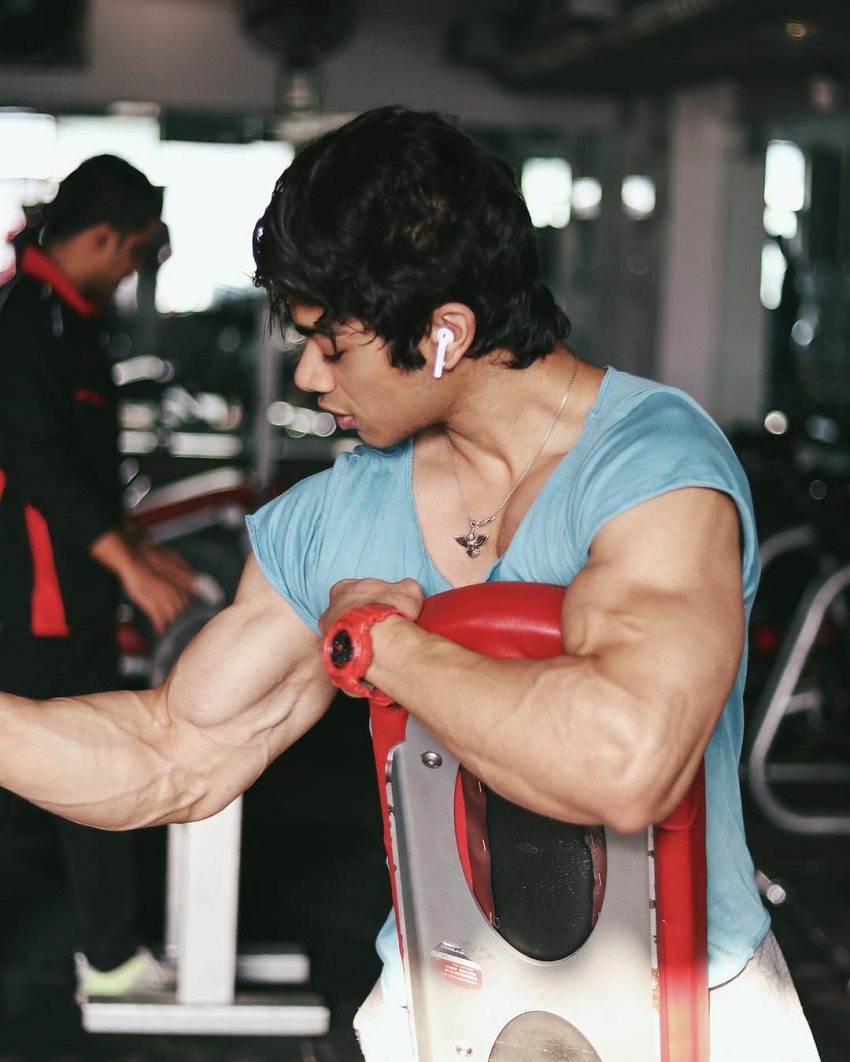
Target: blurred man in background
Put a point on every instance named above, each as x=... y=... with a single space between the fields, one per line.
x=65 y=548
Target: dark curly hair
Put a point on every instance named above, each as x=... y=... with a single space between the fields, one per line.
x=395 y=213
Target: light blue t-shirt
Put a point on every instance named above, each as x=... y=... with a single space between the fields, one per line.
x=640 y=440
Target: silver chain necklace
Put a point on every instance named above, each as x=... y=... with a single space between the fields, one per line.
x=472 y=541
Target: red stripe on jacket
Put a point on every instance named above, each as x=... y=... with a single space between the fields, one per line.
x=47 y=609
x=80 y=394
x=36 y=264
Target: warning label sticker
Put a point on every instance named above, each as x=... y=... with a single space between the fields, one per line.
x=456 y=966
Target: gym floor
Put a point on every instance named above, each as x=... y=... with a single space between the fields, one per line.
x=313 y=871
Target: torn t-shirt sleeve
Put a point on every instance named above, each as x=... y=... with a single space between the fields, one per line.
x=663 y=442
x=286 y=537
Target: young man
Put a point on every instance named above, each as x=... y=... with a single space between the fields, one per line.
x=404 y=255
x=63 y=547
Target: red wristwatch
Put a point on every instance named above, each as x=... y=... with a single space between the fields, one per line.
x=347 y=650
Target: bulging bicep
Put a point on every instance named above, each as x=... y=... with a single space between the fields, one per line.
x=660 y=600
x=657 y=618
x=253 y=677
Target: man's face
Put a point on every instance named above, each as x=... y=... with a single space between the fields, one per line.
x=118 y=255
x=358 y=385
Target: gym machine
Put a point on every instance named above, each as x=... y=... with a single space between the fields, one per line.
x=524 y=938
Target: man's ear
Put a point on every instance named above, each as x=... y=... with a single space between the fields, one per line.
x=450 y=335
x=102 y=235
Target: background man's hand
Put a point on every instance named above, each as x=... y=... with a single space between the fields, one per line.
x=353 y=593
x=155 y=579
x=161 y=599
x=167 y=563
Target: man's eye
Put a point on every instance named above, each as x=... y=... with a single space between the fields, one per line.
x=337 y=354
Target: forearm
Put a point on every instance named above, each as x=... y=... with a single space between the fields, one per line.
x=559 y=736
x=106 y=760
x=247 y=687
x=182 y=752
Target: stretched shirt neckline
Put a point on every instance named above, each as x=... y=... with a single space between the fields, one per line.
x=555 y=475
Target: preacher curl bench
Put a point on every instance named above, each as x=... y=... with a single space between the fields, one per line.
x=525 y=938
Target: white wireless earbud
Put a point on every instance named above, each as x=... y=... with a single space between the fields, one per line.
x=444 y=337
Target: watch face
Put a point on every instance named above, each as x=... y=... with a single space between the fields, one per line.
x=341 y=649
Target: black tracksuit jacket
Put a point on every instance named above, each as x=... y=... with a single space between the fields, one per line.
x=59 y=481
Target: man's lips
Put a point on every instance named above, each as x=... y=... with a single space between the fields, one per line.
x=344 y=421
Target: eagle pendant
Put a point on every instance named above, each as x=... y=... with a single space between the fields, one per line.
x=472 y=542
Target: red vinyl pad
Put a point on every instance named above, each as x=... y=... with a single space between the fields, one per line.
x=524 y=620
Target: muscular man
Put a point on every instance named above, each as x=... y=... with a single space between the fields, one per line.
x=389 y=244
x=63 y=545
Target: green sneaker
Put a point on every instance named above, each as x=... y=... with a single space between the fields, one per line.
x=141 y=976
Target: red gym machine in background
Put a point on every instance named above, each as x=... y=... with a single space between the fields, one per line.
x=525 y=938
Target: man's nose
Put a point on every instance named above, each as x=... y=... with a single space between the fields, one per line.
x=313 y=373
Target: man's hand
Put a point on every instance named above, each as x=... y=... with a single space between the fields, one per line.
x=352 y=593
x=154 y=579
x=167 y=563
x=161 y=600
